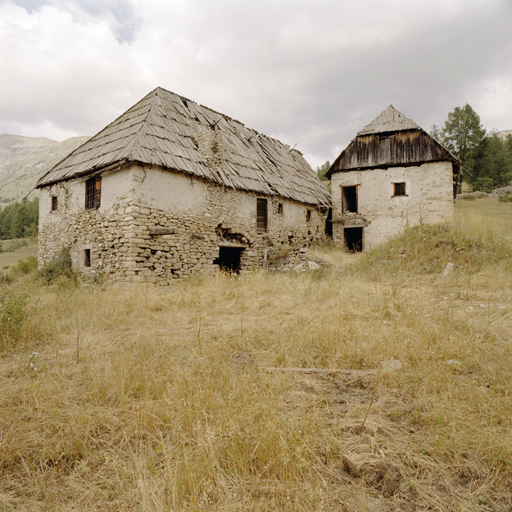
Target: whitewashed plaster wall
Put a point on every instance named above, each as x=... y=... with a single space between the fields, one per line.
x=184 y=195
x=429 y=198
x=115 y=187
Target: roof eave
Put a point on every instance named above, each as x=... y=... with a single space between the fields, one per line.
x=90 y=172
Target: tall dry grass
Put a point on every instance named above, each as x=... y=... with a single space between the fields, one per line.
x=158 y=399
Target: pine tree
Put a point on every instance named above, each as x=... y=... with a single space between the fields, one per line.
x=461 y=132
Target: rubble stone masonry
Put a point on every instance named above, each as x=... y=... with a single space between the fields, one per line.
x=155 y=226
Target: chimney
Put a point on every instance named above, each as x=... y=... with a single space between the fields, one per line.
x=209 y=143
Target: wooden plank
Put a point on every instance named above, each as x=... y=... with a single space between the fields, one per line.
x=322 y=371
x=156 y=230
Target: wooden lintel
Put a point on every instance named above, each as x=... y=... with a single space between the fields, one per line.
x=162 y=231
x=234 y=245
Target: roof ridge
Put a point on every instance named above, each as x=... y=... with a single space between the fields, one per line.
x=389 y=120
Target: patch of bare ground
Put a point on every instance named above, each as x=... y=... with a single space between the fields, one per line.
x=151 y=399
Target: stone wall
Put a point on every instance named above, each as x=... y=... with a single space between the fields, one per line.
x=155 y=226
x=429 y=199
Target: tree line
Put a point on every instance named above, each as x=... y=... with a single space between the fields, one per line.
x=486 y=158
x=19 y=219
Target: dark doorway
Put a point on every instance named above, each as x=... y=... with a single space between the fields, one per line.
x=328 y=224
x=353 y=239
x=229 y=259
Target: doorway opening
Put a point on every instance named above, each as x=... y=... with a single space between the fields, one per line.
x=328 y=224
x=353 y=239
x=229 y=259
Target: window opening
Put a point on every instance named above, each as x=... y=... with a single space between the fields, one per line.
x=353 y=239
x=87 y=258
x=55 y=203
x=229 y=259
x=308 y=215
x=261 y=214
x=399 y=189
x=349 y=199
x=280 y=208
x=93 y=193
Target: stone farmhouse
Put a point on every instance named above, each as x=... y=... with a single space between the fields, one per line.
x=393 y=174
x=172 y=187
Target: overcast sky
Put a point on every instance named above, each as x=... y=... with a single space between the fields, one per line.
x=309 y=72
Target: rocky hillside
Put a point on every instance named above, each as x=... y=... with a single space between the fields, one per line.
x=23 y=160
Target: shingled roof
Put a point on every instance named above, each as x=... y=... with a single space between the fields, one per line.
x=391 y=120
x=162 y=130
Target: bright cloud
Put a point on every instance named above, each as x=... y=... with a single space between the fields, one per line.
x=309 y=73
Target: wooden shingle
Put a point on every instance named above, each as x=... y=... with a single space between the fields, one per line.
x=162 y=130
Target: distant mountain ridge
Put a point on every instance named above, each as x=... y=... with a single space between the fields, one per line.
x=23 y=160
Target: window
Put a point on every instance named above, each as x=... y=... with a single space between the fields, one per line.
x=399 y=189
x=280 y=208
x=308 y=215
x=55 y=203
x=349 y=199
x=87 y=258
x=93 y=193
x=261 y=215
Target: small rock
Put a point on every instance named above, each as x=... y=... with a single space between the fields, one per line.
x=391 y=366
x=242 y=358
x=313 y=266
x=453 y=361
x=448 y=269
x=351 y=467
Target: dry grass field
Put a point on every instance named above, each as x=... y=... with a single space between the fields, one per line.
x=146 y=399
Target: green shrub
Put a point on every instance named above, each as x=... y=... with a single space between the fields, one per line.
x=59 y=271
x=484 y=183
x=505 y=198
x=5 y=278
x=26 y=266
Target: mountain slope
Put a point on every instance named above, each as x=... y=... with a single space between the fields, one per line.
x=23 y=160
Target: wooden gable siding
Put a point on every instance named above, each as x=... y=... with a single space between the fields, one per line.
x=390 y=149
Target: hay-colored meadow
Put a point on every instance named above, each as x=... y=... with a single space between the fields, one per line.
x=149 y=399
